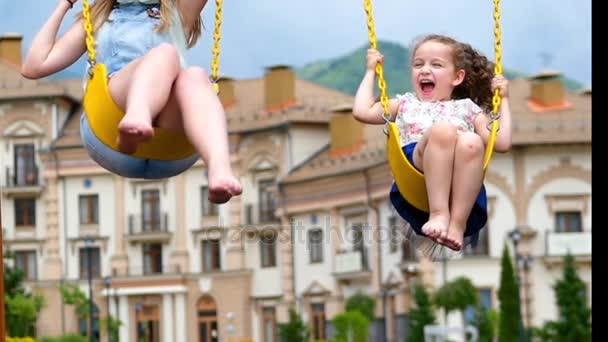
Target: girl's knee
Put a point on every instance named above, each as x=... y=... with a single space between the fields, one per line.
x=470 y=144
x=168 y=53
x=195 y=73
x=443 y=133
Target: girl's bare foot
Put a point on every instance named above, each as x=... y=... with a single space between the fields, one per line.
x=133 y=130
x=436 y=228
x=222 y=185
x=455 y=237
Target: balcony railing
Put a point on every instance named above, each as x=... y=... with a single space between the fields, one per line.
x=264 y=215
x=140 y=225
x=152 y=270
x=575 y=243
x=17 y=178
x=351 y=261
x=147 y=230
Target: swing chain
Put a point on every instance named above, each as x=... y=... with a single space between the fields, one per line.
x=90 y=41
x=495 y=114
x=379 y=70
x=217 y=35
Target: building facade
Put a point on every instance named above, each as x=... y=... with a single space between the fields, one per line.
x=312 y=227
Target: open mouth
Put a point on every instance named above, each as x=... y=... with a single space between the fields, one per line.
x=427 y=86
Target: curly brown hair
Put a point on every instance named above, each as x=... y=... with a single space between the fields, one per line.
x=479 y=71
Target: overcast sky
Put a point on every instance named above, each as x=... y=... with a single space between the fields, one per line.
x=536 y=34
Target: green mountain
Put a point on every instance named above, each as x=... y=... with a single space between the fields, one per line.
x=344 y=73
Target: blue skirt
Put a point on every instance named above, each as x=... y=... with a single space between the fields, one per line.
x=417 y=218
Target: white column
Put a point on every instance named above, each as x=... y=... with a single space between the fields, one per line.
x=180 y=318
x=167 y=323
x=112 y=307
x=123 y=312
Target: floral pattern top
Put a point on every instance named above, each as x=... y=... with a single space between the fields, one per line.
x=414 y=117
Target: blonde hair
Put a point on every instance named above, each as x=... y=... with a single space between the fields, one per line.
x=100 y=11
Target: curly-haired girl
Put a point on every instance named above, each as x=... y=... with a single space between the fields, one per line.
x=443 y=132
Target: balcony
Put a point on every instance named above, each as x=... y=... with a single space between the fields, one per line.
x=147 y=271
x=255 y=215
x=352 y=265
x=557 y=245
x=142 y=231
x=21 y=183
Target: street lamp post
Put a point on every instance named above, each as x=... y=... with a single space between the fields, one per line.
x=515 y=236
x=88 y=244
x=107 y=282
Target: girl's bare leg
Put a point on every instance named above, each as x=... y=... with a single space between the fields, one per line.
x=142 y=89
x=466 y=183
x=204 y=123
x=435 y=152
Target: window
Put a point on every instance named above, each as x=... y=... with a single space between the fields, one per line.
x=358 y=242
x=150 y=204
x=25 y=261
x=209 y=208
x=408 y=250
x=25 y=211
x=266 y=201
x=269 y=322
x=483 y=245
x=207 y=320
x=148 y=323
x=95 y=263
x=315 y=245
x=393 y=230
x=568 y=222
x=153 y=258
x=25 y=165
x=88 y=209
x=211 y=255
x=318 y=321
x=484 y=297
x=268 y=244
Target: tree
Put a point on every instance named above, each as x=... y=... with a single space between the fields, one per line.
x=363 y=303
x=484 y=322
x=421 y=315
x=21 y=308
x=458 y=295
x=351 y=326
x=508 y=295
x=574 y=323
x=294 y=330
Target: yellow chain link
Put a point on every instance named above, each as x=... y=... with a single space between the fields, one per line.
x=379 y=70
x=498 y=56
x=88 y=29
x=217 y=35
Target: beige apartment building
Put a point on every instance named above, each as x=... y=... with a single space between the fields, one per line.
x=313 y=226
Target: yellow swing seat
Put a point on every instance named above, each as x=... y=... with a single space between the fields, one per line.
x=409 y=180
x=104 y=115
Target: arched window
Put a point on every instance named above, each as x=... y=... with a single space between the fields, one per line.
x=207 y=320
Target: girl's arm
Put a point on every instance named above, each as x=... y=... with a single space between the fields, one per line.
x=47 y=55
x=365 y=108
x=503 y=136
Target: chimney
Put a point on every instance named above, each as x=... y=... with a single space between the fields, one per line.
x=547 y=88
x=10 y=48
x=226 y=94
x=345 y=131
x=279 y=88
